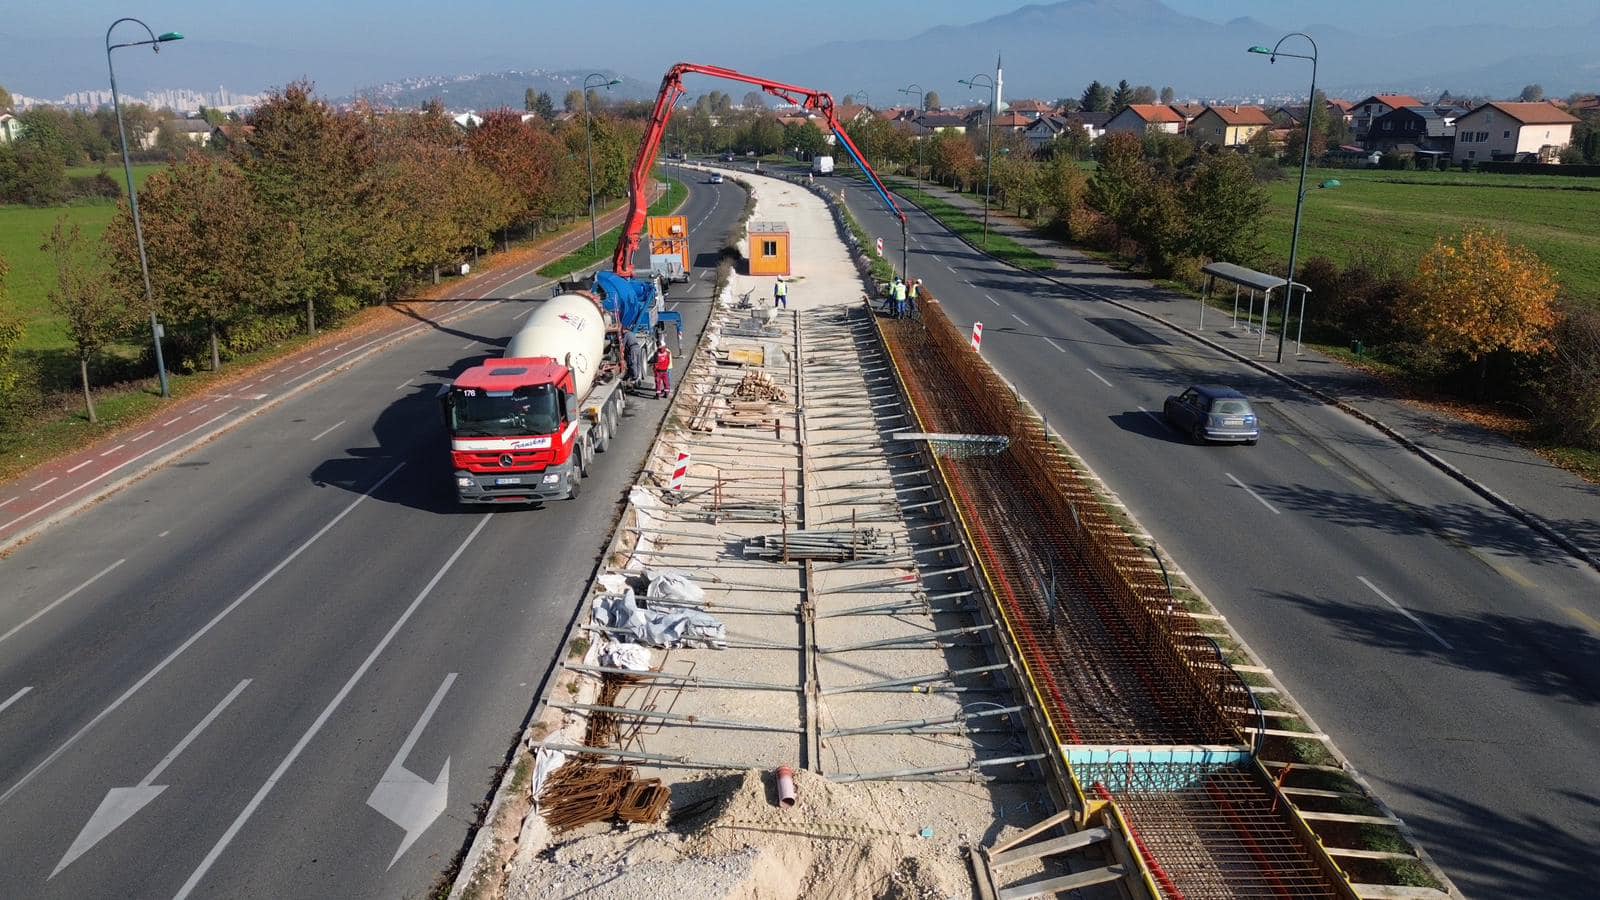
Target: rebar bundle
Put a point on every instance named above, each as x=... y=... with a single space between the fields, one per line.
x=581 y=792
x=815 y=544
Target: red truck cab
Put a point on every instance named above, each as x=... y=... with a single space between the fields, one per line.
x=513 y=427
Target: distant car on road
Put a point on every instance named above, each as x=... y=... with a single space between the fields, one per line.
x=716 y=177
x=1212 y=413
x=727 y=157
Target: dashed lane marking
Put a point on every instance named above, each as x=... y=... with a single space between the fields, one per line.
x=991 y=299
x=1259 y=499
x=402 y=385
x=1055 y=345
x=79 y=466
x=60 y=600
x=1021 y=319
x=113 y=450
x=41 y=484
x=142 y=436
x=1405 y=612
x=1100 y=377
x=324 y=432
x=14 y=698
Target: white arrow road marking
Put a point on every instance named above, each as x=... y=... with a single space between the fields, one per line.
x=322 y=719
x=406 y=798
x=121 y=804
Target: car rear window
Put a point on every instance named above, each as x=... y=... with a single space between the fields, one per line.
x=1230 y=408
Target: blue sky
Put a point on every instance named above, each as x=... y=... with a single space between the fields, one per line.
x=428 y=28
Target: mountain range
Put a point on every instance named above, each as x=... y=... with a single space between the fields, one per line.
x=1050 y=50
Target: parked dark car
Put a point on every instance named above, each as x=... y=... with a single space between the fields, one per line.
x=1213 y=413
x=727 y=157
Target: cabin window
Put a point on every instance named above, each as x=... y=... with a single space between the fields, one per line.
x=769 y=248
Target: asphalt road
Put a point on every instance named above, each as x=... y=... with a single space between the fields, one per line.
x=1452 y=653
x=287 y=665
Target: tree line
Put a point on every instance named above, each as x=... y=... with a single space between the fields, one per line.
x=313 y=213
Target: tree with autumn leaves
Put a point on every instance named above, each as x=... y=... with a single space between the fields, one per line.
x=82 y=297
x=1479 y=294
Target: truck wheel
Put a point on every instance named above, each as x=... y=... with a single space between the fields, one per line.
x=575 y=489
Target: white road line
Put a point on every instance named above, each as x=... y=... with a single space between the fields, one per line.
x=142 y=436
x=7 y=501
x=991 y=299
x=1020 y=319
x=79 y=466
x=164 y=533
x=470 y=344
x=41 y=484
x=403 y=384
x=1162 y=422
x=322 y=719
x=170 y=421
x=1055 y=345
x=1405 y=612
x=937 y=259
x=1259 y=498
x=14 y=698
x=167 y=661
x=113 y=450
x=1097 y=375
x=523 y=313
x=60 y=600
x=324 y=432
x=952 y=270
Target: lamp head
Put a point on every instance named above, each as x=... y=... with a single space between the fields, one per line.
x=169 y=36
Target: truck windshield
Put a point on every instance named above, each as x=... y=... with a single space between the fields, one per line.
x=530 y=410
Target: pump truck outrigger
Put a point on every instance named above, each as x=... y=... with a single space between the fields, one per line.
x=525 y=428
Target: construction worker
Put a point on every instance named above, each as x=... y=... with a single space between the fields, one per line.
x=899 y=298
x=780 y=294
x=631 y=358
x=663 y=367
x=913 y=295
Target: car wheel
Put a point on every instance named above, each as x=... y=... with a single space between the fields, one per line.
x=1198 y=434
x=1250 y=443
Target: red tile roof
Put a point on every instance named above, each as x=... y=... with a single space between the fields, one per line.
x=1155 y=113
x=1396 y=101
x=1342 y=105
x=1534 y=113
x=1188 y=110
x=1012 y=120
x=1031 y=106
x=1242 y=115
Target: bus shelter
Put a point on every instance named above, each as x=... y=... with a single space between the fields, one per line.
x=1254 y=282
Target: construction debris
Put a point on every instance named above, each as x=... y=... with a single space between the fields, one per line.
x=581 y=792
x=621 y=615
x=757 y=386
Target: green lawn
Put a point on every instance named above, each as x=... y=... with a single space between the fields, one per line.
x=971 y=227
x=141 y=172
x=1558 y=217
x=22 y=231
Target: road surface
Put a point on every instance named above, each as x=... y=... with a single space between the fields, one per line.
x=287 y=665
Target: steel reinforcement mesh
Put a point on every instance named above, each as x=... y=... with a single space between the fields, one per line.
x=1113 y=659
x=1116 y=662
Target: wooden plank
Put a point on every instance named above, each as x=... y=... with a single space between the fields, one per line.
x=1318 y=792
x=1277 y=732
x=1304 y=767
x=1349 y=817
x=1353 y=853
x=1031 y=832
x=1396 y=892
x=1064 y=844
x=1073 y=882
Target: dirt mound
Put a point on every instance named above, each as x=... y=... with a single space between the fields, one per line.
x=726 y=837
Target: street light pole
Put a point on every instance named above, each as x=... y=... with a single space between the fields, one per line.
x=1305 y=161
x=922 y=95
x=988 y=147
x=154 y=43
x=588 y=130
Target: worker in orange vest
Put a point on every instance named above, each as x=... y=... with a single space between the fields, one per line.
x=663 y=367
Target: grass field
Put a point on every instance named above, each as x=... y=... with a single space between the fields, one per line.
x=971 y=227
x=1557 y=217
x=141 y=173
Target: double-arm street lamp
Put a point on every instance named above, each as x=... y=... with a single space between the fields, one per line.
x=588 y=130
x=922 y=95
x=1305 y=160
x=154 y=43
x=988 y=145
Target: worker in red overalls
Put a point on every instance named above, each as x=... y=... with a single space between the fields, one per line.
x=663 y=367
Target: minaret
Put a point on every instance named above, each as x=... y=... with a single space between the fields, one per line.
x=999 y=86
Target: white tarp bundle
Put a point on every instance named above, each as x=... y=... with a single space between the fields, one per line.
x=632 y=657
x=674 y=586
x=622 y=615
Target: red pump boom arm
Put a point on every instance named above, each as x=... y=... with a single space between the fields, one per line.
x=671 y=90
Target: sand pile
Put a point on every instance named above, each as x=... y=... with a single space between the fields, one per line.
x=726 y=837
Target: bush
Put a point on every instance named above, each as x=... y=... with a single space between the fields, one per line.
x=1568 y=393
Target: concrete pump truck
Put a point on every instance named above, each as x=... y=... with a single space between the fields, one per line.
x=525 y=428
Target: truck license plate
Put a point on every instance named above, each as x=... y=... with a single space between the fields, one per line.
x=508 y=481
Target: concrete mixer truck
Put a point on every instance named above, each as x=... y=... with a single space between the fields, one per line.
x=525 y=428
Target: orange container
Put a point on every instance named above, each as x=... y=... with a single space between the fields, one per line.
x=769 y=248
x=670 y=235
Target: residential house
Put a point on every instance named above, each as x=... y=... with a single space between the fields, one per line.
x=897 y=113
x=851 y=112
x=1345 y=109
x=1229 y=126
x=467 y=121
x=1144 y=118
x=1033 y=109
x=228 y=135
x=1513 y=131
x=1378 y=104
x=1413 y=130
x=197 y=130
x=10 y=128
x=1012 y=121
x=1584 y=105
x=936 y=122
x=1188 y=111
